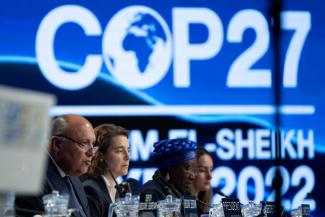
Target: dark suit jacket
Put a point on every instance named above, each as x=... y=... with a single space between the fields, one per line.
x=98 y=196
x=29 y=205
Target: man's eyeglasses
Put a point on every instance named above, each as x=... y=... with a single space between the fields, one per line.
x=83 y=146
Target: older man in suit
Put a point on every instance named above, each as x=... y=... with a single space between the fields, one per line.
x=70 y=154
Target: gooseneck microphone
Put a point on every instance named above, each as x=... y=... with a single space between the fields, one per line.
x=216 y=191
x=204 y=203
x=131 y=184
x=120 y=188
x=221 y=193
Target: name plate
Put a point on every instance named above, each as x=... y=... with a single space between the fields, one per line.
x=189 y=207
x=147 y=203
x=148 y=206
x=305 y=210
x=24 y=136
x=231 y=207
x=270 y=209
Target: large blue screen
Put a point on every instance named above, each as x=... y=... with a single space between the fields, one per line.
x=184 y=68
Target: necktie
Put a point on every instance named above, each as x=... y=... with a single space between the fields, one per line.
x=73 y=197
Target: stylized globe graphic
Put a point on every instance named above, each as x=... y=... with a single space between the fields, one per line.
x=137 y=47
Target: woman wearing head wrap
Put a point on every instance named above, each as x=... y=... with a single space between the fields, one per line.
x=176 y=162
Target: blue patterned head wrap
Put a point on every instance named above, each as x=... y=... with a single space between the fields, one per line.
x=171 y=152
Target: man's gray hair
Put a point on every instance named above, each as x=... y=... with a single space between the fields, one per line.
x=59 y=125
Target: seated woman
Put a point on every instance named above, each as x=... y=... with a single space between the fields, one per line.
x=110 y=161
x=176 y=161
x=201 y=185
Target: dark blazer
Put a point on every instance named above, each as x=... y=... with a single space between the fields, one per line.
x=156 y=190
x=98 y=196
x=29 y=205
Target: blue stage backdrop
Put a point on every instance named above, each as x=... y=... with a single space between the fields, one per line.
x=201 y=69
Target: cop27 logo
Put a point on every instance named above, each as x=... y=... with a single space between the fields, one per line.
x=138 y=47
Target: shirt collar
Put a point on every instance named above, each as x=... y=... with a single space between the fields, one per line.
x=111 y=189
x=107 y=182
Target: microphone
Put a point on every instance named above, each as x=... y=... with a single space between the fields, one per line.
x=122 y=190
x=221 y=193
x=131 y=184
x=216 y=191
x=204 y=203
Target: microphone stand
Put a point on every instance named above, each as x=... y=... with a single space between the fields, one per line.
x=221 y=193
x=276 y=7
x=216 y=191
x=121 y=190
